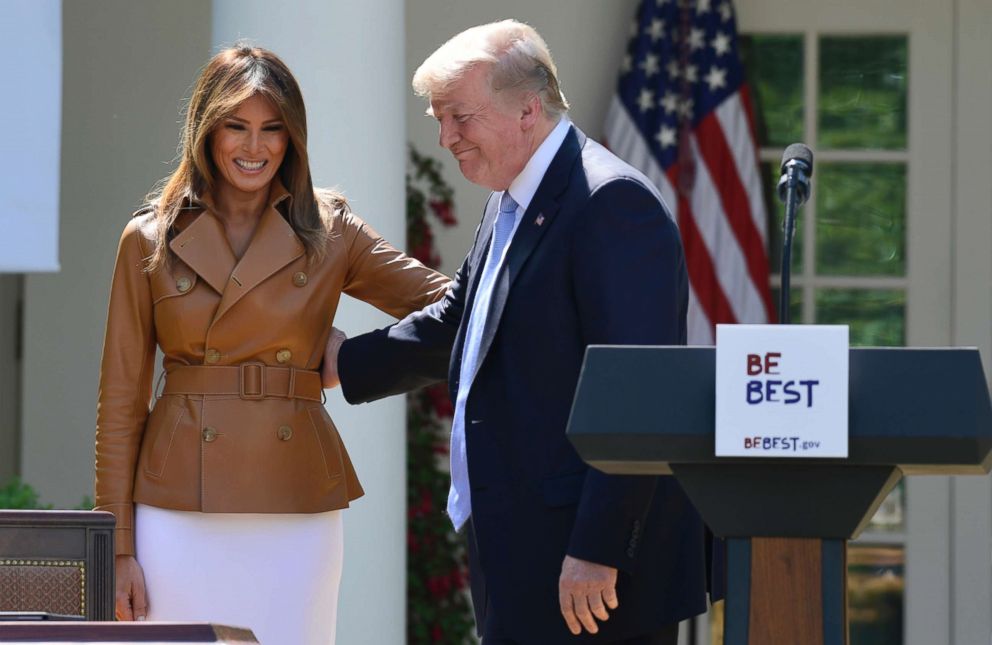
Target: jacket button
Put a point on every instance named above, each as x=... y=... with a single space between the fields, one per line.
x=300 y=279
x=209 y=434
x=283 y=355
x=285 y=433
x=183 y=284
x=212 y=355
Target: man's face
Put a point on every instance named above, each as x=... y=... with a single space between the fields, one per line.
x=489 y=137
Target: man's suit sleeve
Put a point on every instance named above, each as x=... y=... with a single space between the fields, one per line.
x=410 y=354
x=630 y=286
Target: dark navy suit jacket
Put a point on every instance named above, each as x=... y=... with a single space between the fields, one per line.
x=596 y=259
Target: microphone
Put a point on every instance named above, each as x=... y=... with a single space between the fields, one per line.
x=797 y=168
x=793 y=191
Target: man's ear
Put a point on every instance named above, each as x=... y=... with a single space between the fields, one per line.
x=532 y=112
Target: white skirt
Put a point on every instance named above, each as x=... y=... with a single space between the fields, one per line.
x=276 y=574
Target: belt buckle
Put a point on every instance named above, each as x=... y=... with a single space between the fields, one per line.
x=242 y=373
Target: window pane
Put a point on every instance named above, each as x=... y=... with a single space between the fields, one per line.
x=876 y=317
x=863 y=92
x=774 y=66
x=875 y=589
x=861 y=219
x=776 y=215
x=795 y=303
x=891 y=515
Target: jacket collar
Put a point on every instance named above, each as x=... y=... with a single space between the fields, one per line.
x=202 y=244
x=537 y=219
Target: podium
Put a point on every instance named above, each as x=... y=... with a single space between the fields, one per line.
x=650 y=410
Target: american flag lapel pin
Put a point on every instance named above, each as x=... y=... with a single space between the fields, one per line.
x=540 y=219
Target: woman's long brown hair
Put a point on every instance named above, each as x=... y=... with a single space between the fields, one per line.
x=232 y=76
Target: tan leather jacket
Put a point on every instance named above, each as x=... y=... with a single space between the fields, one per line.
x=244 y=430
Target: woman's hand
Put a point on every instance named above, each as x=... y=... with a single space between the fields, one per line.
x=131 y=603
x=329 y=368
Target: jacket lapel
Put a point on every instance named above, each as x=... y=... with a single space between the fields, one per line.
x=202 y=245
x=273 y=246
x=476 y=264
x=538 y=219
x=480 y=251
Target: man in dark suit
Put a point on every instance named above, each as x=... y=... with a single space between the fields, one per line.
x=575 y=248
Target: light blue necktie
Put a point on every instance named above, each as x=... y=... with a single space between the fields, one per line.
x=459 y=499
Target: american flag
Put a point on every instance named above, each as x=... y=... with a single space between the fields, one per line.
x=682 y=115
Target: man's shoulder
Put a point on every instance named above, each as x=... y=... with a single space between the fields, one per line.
x=601 y=167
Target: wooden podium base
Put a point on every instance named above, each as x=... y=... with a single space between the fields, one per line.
x=786 y=590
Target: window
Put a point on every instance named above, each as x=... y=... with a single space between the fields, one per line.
x=846 y=97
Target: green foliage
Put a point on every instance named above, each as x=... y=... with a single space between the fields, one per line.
x=774 y=66
x=863 y=90
x=861 y=219
x=16 y=494
x=876 y=317
x=19 y=495
x=438 y=609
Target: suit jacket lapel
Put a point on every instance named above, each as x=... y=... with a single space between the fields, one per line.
x=480 y=252
x=538 y=219
x=476 y=264
x=202 y=244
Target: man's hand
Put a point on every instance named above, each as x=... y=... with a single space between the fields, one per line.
x=130 y=587
x=585 y=590
x=329 y=368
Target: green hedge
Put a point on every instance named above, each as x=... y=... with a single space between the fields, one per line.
x=17 y=494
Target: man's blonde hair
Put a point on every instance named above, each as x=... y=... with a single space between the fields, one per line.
x=519 y=59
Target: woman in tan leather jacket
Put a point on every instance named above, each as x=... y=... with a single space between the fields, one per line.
x=235 y=270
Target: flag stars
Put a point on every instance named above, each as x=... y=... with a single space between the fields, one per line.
x=662 y=3
x=716 y=78
x=670 y=102
x=651 y=65
x=656 y=30
x=726 y=11
x=691 y=73
x=646 y=100
x=666 y=137
x=702 y=6
x=673 y=69
x=697 y=39
x=721 y=43
x=686 y=107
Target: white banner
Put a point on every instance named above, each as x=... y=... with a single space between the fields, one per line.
x=781 y=390
x=31 y=114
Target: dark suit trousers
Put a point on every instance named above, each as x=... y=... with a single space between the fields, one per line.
x=489 y=624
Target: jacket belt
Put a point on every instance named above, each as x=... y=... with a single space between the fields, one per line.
x=250 y=381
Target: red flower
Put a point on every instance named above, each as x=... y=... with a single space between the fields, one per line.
x=424 y=507
x=437 y=634
x=438 y=395
x=441 y=449
x=444 y=211
x=439 y=586
x=424 y=251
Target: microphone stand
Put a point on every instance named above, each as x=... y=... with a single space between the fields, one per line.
x=795 y=185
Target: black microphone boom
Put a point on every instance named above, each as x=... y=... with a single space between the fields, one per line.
x=793 y=190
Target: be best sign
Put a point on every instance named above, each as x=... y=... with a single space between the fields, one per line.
x=781 y=390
